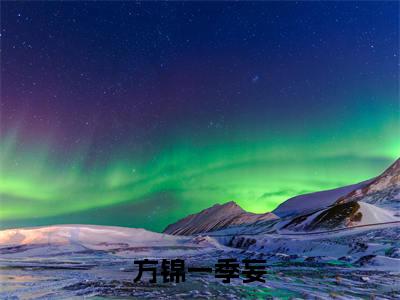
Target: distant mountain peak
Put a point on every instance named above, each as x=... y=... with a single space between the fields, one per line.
x=216 y=217
x=231 y=205
x=228 y=207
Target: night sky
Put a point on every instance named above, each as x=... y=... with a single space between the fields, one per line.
x=137 y=114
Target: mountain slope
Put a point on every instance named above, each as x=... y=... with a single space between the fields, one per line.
x=383 y=191
x=86 y=239
x=215 y=218
x=342 y=215
x=85 y=235
x=314 y=201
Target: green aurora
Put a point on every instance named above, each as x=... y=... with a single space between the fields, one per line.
x=258 y=173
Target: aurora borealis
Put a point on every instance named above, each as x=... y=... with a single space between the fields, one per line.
x=137 y=114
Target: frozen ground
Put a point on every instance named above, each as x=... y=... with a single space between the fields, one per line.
x=65 y=262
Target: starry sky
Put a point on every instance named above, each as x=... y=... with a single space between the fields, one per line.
x=137 y=114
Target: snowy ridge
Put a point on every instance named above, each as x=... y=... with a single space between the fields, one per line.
x=215 y=218
x=87 y=235
x=120 y=241
x=313 y=201
x=339 y=216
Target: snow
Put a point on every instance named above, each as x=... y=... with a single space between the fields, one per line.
x=214 y=218
x=314 y=201
x=373 y=214
x=384 y=263
x=294 y=263
x=87 y=235
x=120 y=241
x=370 y=214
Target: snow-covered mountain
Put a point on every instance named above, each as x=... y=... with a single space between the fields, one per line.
x=383 y=191
x=215 y=218
x=314 y=201
x=342 y=215
x=87 y=235
x=83 y=238
x=369 y=202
